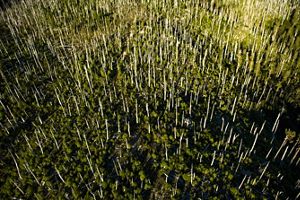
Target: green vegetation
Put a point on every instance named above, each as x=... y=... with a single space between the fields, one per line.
x=143 y=99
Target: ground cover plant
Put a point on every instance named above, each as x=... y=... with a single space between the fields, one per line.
x=149 y=99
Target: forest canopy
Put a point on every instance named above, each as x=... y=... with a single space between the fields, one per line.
x=143 y=99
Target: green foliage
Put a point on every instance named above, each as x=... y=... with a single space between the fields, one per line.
x=149 y=99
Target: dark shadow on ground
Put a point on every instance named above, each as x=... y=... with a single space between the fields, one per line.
x=4 y=4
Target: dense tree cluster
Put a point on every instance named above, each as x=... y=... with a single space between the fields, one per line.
x=150 y=99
